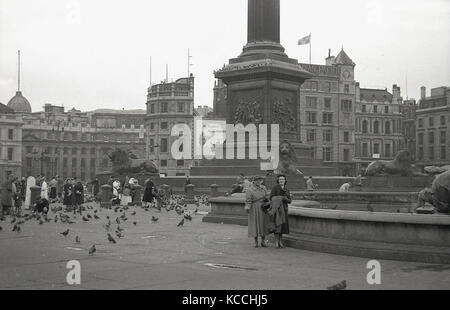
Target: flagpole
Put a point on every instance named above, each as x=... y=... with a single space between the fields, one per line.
x=310 y=48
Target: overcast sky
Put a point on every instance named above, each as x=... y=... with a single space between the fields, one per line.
x=93 y=54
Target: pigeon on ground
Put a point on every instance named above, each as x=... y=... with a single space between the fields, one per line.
x=95 y=211
x=56 y=218
x=77 y=240
x=85 y=219
x=111 y=239
x=134 y=223
x=41 y=222
x=188 y=217
x=181 y=223
x=65 y=233
x=119 y=234
x=92 y=250
x=96 y=217
x=340 y=286
x=13 y=220
x=1 y=228
x=119 y=228
x=15 y=227
x=154 y=219
x=134 y=213
x=117 y=220
x=89 y=216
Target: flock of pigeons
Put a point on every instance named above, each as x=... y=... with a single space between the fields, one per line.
x=58 y=214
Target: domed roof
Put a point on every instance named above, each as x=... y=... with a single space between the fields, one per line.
x=19 y=103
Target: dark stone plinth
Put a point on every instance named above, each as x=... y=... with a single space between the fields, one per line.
x=396 y=181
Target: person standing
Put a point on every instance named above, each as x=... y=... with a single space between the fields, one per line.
x=53 y=184
x=148 y=192
x=95 y=187
x=78 y=198
x=280 y=197
x=68 y=190
x=44 y=188
x=255 y=198
x=7 y=195
x=186 y=183
x=310 y=184
x=59 y=187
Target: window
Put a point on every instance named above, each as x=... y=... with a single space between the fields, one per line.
x=386 y=109
x=420 y=153
x=74 y=151
x=375 y=109
x=92 y=151
x=328 y=135
x=74 y=163
x=431 y=137
x=92 y=164
x=152 y=126
x=164 y=108
x=311 y=102
x=84 y=137
x=346 y=106
x=364 y=126
x=346 y=88
x=431 y=121
x=327 y=118
x=311 y=117
x=387 y=128
x=420 y=123
x=443 y=152
x=420 y=138
x=29 y=161
x=376 y=127
x=346 y=155
x=346 y=136
x=180 y=163
x=376 y=148
x=65 y=151
x=387 y=150
x=65 y=162
x=152 y=108
x=83 y=151
x=364 y=108
x=164 y=145
x=152 y=143
x=327 y=153
x=29 y=149
x=442 y=120
x=327 y=103
x=443 y=137
x=163 y=162
x=164 y=125
x=10 y=134
x=431 y=153
x=314 y=85
x=327 y=86
x=180 y=107
x=83 y=163
x=311 y=135
x=10 y=153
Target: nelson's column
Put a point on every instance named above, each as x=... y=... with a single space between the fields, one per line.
x=263 y=83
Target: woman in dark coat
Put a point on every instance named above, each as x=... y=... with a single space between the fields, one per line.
x=148 y=192
x=280 y=193
x=78 y=198
x=67 y=190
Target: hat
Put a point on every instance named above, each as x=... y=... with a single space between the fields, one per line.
x=258 y=177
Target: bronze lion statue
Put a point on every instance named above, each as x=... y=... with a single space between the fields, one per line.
x=288 y=160
x=123 y=163
x=400 y=165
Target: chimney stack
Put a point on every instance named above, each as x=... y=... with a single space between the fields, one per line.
x=423 y=92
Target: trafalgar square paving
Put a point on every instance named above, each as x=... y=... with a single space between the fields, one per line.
x=195 y=256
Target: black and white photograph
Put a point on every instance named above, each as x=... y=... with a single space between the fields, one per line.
x=218 y=146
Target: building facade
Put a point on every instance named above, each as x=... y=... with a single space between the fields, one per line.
x=75 y=143
x=10 y=143
x=379 y=121
x=169 y=104
x=433 y=127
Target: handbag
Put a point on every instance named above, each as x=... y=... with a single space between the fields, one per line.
x=265 y=205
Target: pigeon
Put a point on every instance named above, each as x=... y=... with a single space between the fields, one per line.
x=18 y=228
x=181 y=223
x=13 y=220
x=95 y=211
x=1 y=228
x=119 y=234
x=65 y=233
x=85 y=219
x=92 y=250
x=188 y=217
x=340 y=286
x=111 y=239
x=134 y=213
x=154 y=219
x=41 y=222
x=89 y=216
x=107 y=217
x=70 y=221
x=56 y=218
x=196 y=211
x=77 y=239
x=135 y=223
x=96 y=217
x=117 y=220
x=15 y=227
x=119 y=229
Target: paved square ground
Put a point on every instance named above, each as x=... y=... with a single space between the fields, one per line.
x=163 y=256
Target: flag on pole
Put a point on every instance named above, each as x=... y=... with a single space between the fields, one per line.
x=305 y=40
